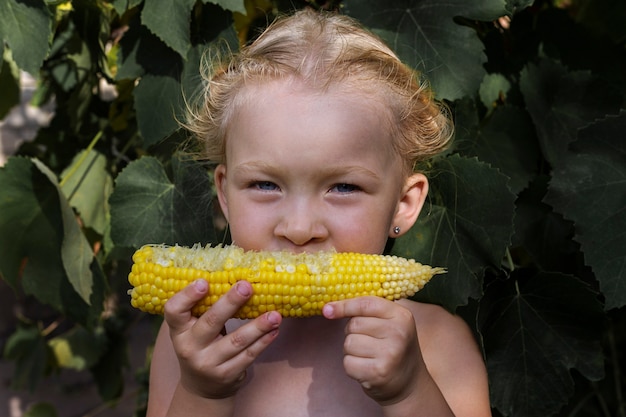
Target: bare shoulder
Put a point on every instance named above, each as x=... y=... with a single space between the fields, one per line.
x=434 y=323
x=453 y=358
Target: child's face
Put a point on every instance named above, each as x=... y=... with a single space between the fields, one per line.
x=308 y=171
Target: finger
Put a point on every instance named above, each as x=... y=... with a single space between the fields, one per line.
x=246 y=343
x=368 y=306
x=177 y=310
x=362 y=346
x=364 y=370
x=211 y=323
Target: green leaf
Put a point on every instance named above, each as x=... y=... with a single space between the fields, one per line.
x=232 y=5
x=544 y=235
x=168 y=87
x=28 y=348
x=157 y=122
x=169 y=20
x=76 y=252
x=88 y=188
x=425 y=35
x=43 y=247
x=25 y=25
x=31 y=228
x=466 y=227
x=41 y=410
x=10 y=82
x=534 y=331
x=505 y=139
x=560 y=102
x=493 y=88
x=148 y=207
x=589 y=187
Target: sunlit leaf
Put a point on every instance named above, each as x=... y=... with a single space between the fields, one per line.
x=535 y=330
x=465 y=227
x=88 y=188
x=589 y=187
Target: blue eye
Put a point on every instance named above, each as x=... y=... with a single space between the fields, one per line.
x=265 y=185
x=345 y=188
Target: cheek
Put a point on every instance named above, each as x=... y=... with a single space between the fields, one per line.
x=365 y=232
x=248 y=229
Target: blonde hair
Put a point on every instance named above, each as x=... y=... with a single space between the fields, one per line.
x=323 y=49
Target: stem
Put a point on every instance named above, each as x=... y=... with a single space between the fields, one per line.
x=82 y=158
x=51 y=327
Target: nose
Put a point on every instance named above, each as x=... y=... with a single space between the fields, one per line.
x=301 y=224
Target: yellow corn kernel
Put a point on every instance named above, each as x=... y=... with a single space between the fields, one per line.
x=297 y=285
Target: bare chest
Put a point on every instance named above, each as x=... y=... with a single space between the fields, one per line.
x=302 y=374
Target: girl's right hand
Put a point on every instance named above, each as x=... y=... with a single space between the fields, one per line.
x=212 y=363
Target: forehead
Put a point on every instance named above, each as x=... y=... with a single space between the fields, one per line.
x=299 y=129
x=289 y=103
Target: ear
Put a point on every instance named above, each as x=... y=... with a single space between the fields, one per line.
x=411 y=202
x=220 y=186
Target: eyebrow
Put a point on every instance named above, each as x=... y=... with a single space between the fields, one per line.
x=329 y=171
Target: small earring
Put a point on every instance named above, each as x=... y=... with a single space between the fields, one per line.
x=396 y=230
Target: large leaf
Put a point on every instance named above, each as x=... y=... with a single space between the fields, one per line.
x=505 y=139
x=169 y=20
x=426 y=36
x=534 y=331
x=25 y=25
x=544 y=236
x=43 y=246
x=170 y=87
x=560 y=102
x=589 y=187
x=148 y=207
x=87 y=186
x=466 y=228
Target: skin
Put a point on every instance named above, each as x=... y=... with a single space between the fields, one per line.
x=310 y=171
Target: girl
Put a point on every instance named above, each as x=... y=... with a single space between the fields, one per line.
x=316 y=127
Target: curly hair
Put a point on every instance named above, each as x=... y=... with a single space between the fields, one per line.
x=322 y=49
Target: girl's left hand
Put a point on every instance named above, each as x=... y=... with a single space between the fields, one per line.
x=381 y=349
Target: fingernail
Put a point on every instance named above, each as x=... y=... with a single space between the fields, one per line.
x=201 y=285
x=328 y=311
x=243 y=289
x=273 y=317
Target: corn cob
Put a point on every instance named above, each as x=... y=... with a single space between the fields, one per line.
x=296 y=285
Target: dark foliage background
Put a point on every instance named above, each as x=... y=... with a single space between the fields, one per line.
x=527 y=211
